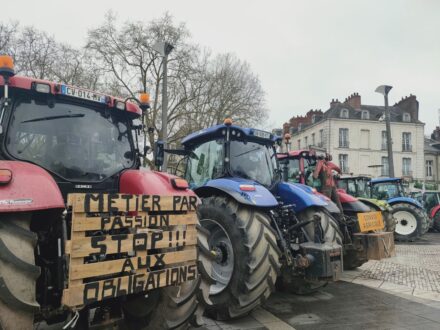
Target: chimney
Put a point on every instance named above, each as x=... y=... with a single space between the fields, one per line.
x=354 y=100
x=334 y=102
x=409 y=104
x=436 y=134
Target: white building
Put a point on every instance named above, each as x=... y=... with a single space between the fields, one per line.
x=354 y=134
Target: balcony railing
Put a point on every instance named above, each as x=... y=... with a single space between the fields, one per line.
x=406 y=147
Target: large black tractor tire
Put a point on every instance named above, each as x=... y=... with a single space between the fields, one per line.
x=247 y=256
x=174 y=307
x=332 y=234
x=436 y=221
x=18 y=273
x=412 y=222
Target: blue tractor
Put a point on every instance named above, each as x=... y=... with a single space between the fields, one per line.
x=261 y=228
x=411 y=219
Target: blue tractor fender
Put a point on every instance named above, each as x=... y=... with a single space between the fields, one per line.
x=406 y=200
x=301 y=196
x=260 y=197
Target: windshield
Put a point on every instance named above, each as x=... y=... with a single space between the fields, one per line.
x=293 y=171
x=74 y=142
x=387 y=190
x=205 y=163
x=253 y=161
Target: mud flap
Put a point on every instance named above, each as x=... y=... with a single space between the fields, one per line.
x=325 y=261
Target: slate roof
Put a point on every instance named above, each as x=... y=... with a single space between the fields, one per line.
x=375 y=113
x=432 y=146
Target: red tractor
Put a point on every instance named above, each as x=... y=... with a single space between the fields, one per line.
x=298 y=166
x=86 y=236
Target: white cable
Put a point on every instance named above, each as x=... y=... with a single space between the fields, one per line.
x=72 y=323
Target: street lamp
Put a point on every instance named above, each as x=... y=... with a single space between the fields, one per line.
x=164 y=49
x=384 y=90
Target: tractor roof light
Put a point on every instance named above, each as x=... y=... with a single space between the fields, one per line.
x=120 y=105
x=6 y=66
x=5 y=176
x=41 y=88
x=144 y=101
x=227 y=122
x=179 y=183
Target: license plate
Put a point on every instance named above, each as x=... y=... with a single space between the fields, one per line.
x=82 y=94
x=370 y=221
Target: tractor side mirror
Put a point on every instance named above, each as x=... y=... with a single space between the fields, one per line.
x=159 y=154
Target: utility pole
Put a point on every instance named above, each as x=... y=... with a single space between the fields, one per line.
x=384 y=90
x=164 y=48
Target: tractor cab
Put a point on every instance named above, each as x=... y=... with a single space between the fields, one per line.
x=298 y=166
x=231 y=151
x=358 y=186
x=83 y=139
x=387 y=188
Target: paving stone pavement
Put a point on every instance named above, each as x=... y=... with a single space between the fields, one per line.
x=344 y=305
x=415 y=270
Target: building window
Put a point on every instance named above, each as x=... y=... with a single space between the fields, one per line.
x=313 y=139
x=344 y=113
x=343 y=163
x=321 y=138
x=384 y=140
x=299 y=143
x=365 y=114
x=300 y=125
x=313 y=119
x=406 y=117
x=343 y=138
x=406 y=167
x=306 y=144
x=406 y=141
x=385 y=168
x=428 y=168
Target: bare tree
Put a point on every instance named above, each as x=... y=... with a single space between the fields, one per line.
x=202 y=89
x=8 y=35
x=119 y=59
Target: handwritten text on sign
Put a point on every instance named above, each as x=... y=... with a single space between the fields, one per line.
x=127 y=202
x=87 y=293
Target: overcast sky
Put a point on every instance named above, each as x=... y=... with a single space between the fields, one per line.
x=305 y=52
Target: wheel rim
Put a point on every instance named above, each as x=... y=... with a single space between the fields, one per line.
x=406 y=223
x=223 y=264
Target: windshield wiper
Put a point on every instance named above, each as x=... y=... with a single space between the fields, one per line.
x=246 y=152
x=79 y=115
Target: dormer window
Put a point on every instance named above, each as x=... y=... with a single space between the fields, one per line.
x=300 y=126
x=365 y=114
x=344 y=113
x=406 y=117
x=313 y=119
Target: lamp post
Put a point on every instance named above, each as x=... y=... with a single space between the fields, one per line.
x=384 y=90
x=164 y=49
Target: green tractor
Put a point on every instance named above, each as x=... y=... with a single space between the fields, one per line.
x=359 y=187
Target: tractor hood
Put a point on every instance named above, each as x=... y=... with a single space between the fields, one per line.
x=300 y=195
x=243 y=191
